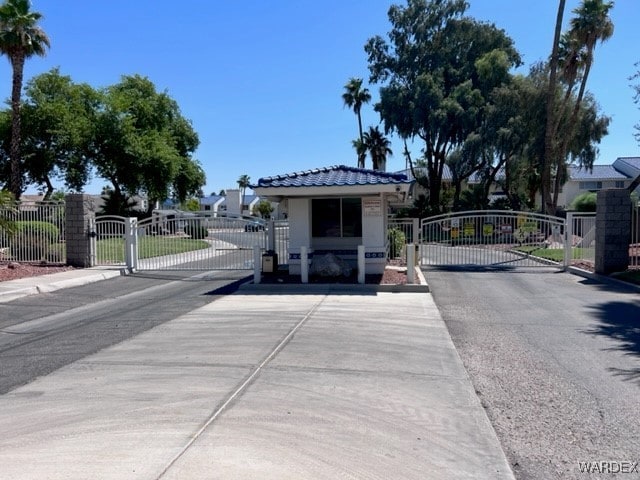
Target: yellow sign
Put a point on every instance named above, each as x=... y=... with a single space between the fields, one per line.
x=469 y=230
x=529 y=226
x=487 y=229
x=455 y=232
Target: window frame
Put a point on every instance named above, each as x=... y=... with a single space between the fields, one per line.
x=341 y=220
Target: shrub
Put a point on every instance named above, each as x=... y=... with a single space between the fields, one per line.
x=32 y=240
x=397 y=241
x=585 y=202
x=195 y=230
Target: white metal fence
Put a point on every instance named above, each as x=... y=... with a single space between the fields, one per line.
x=400 y=233
x=280 y=239
x=581 y=239
x=35 y=233
x=179 y=241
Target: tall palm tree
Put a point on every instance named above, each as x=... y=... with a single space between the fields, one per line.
x=243 y=182
x=590 y=25
x=20 y=38
x=361 y=151
x=354 y=97
x=550 y=137
x=378 y=146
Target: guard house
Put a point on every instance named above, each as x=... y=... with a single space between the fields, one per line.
x=335 y=209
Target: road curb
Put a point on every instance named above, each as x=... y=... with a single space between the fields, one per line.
x=23 y=287
x=602 y=278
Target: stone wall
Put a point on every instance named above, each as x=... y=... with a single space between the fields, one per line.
x=80 y=211
x=613 y=231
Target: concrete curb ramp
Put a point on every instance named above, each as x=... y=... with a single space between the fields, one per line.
x=261 y=385
x=23 y=287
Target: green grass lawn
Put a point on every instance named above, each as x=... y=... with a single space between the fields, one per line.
x=631 y=276
x=555 y=254
x=111 y=250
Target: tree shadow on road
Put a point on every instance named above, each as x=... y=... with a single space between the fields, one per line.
x=620 y=321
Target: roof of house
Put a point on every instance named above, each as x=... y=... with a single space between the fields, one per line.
x=631 y=162
x=333 y=176
x=422 y=171
x=599 y=172
x=211 y=199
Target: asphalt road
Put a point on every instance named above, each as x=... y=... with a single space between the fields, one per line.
x=555 y=359
x=41 y=333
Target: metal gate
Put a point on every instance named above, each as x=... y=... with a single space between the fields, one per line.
x=496 y=238
x=179 y=241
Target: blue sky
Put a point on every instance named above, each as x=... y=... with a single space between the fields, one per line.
x=262 y=81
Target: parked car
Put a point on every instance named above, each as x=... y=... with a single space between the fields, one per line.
x=254 y=227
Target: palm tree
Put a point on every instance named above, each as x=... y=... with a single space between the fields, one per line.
x=378 y=146
x=574 y=51
x=20 y=38
x=354 y=97
x=550 y=137
x=590 y=25
x=361 y=151
x=243 y=182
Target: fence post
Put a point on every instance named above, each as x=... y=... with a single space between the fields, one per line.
x=131 y=243
x=257 y=267
x=361 y=264
x=568 y=239
x=93 y=242
x=79 y=209
x=411 y=263
x=271 y=235
x=304 y=265
x=415 y=235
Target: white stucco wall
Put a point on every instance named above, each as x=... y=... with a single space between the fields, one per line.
x=373 y=235
x=234 y=201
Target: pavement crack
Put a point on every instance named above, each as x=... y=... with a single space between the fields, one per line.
x=242 y=387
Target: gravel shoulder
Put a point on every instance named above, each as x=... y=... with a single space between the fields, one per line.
x=555 y=363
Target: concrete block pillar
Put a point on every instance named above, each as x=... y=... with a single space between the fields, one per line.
x=613 y=231
x=80 y=213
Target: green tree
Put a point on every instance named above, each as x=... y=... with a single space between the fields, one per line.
x=433 y=70
x=58 y=119
x=143 y=144
x=354 y=97
x=264 y=208
x=243 y=182
x=190 y=205
x=20 y=38
x=378 y=147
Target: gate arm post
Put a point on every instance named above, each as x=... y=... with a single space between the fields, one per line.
x=568 y=239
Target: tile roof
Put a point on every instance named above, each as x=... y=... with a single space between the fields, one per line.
x=599 y=172
x=334 y=176
x=422 y=171
x=633 y=162
x=211 y=199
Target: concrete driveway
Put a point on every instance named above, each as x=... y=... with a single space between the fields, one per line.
x=304 y=384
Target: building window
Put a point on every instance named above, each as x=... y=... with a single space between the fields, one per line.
x=619 y=183
x=590 y=185
x=336 y=217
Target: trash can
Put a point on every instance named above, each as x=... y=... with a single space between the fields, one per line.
x=269 y=262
